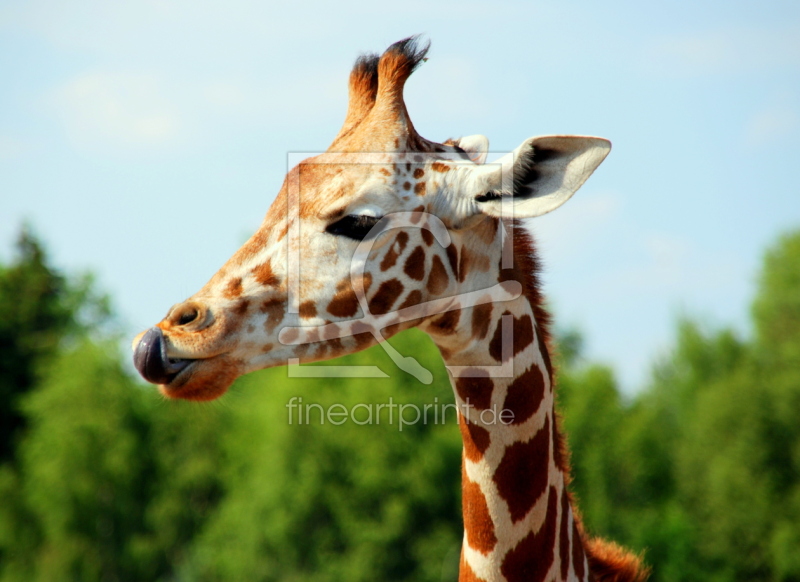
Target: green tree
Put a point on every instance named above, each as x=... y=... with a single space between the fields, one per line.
x=325 y=502
x=82 y=472
x=102 y=480
x=113 y=482
x=702 y=468
x=39 y=307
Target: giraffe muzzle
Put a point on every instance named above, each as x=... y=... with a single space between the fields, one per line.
x=150 y=358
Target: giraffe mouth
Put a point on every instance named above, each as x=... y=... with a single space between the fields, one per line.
x=151 y=360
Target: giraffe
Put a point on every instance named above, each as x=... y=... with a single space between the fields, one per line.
x=456 y=264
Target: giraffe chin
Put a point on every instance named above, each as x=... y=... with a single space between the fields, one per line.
x=203 y=380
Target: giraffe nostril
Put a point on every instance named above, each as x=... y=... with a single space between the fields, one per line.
x=188 y=316
x=187 y=313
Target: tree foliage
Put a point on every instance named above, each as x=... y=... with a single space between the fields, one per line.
x=102 y=479
x=703 y=465
x=39 y=307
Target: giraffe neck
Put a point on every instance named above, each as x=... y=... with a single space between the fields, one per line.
x=518 y=519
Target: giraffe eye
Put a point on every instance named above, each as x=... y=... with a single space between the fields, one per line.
x=354 y=226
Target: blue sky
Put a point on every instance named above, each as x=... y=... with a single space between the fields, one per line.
x=145 y=140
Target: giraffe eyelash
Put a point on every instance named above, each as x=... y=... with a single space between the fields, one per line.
x=354 y=226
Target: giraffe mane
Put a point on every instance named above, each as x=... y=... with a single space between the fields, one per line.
x=608 y=561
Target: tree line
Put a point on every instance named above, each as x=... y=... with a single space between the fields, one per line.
x=102 y=479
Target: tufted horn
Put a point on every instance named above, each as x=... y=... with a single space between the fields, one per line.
x=376 y=88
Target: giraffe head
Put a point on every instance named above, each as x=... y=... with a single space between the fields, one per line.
x=360 y=239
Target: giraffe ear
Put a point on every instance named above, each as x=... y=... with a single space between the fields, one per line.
x=539 y=176
x=476 y=146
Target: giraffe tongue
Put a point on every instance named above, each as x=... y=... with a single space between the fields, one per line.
x=150 y=358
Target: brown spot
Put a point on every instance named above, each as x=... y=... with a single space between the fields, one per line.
x=414 y=298
x=366 y=281
x=477 y=521
x=241 y=307
x=416 y=214
x=452 y=258
x=308 y=309
x=343 y=304
x=487 y=229
x=541 y=342
x=233 y=288
x=331 y=330
x=418 y=173
x=322 y=351
x=406 y=185
x=440 y=167
x=427 y=236
x=362 y=334
x=463 y=265
x=266 y=348
x=384 y=298
x=577 y=551
x=437 y=280
x=251 y=328
x=481 y=318
x=301 y=351
x=312 y=335
x=408 y=166
x=522 y=336
x=275 y=309
x=563 y=534
x=476 y=438
x=264 y=275
x=418 y=159
x=419 y=188
x=521 y=477
x=524 y=394
x=335 y=346
x=447 y=323
x=385 y=172
x=531 y=559
x=395 y=250
x=283 y=232
x=290 y=335
x=476 y=390
x=345 y=301
x=415 y=264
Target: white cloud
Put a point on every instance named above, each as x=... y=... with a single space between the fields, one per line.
x=117 y=109
x=730 y=50
x=771 y=123
x=11 y=147
x=676 y=268
x=226 y=94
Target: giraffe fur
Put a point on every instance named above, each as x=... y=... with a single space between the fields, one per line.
x=455 y=265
